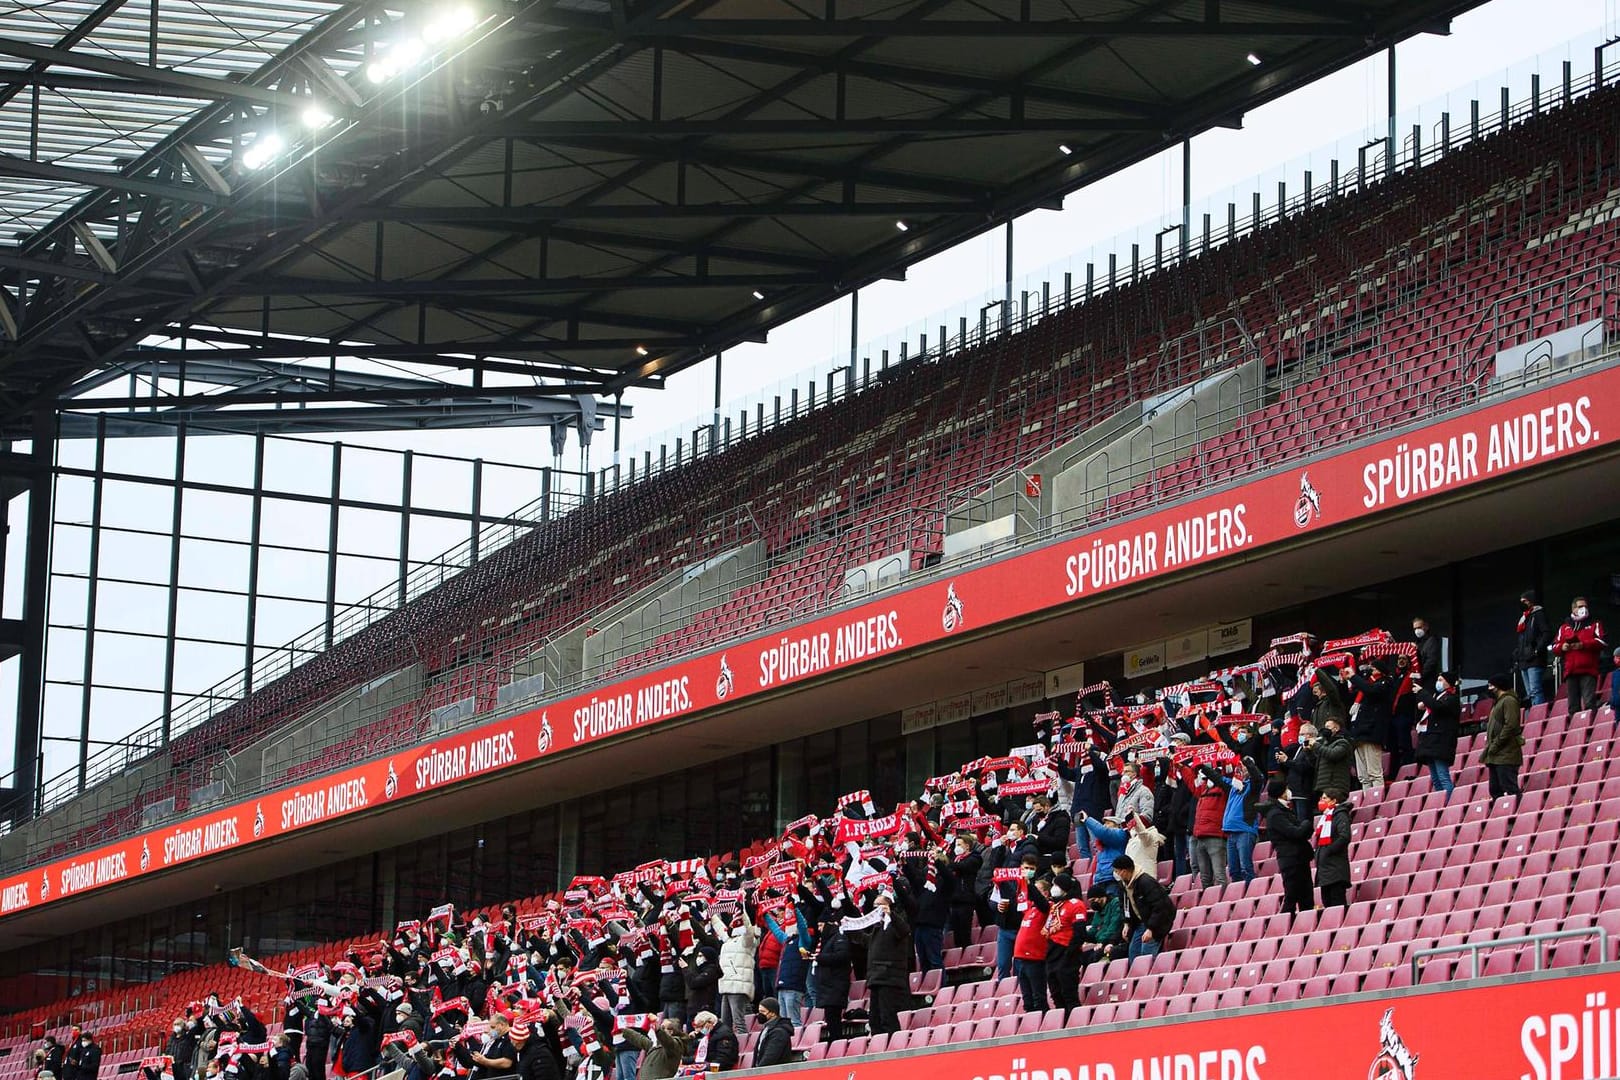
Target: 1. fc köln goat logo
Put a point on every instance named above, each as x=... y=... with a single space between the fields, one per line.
x=545 y=732
x=1309 y=503
x=723 y=684
x=146 y=855
x=258 y=819
x=952 y=617
x=1394 y=1060
x=391 y=785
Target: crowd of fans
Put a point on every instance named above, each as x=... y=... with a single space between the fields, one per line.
x=657 y=971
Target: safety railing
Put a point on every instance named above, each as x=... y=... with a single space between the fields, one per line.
x=1474 y=949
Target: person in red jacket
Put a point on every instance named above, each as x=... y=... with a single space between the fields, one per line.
x=1209 y=834
x=1579 y=644
x=1063 y=934
x=1029 y=947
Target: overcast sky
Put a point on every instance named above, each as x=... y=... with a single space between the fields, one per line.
x=1502 y=42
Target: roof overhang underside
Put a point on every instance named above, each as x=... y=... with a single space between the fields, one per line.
x=591 y=194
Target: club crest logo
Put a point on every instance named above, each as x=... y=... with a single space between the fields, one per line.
x=1394 y=1060
x=45 y=886
x=391 y=785
x=1309 y=503
x=545 y=732
x=952 y=616
x=146 y=855
x=258 y=819
x=723 y=684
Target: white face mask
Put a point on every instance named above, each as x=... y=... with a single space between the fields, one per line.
x=1057 y=892
x=1580 y=613
x=1418 y=633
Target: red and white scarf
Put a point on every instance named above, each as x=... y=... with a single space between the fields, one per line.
x=1324 y=828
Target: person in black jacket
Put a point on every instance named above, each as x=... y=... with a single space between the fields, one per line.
x=1428 y=650
x=929 y=875
x=1149 y=911
x=1439 y=716
x=1297 y=764
x=1291 y=844
x=1370 y=721
x=717 y=1044
x=965 y=874
x=89 y=1057
x=775 y=1044
x=702 y=975
x=317 y=1045
x=831 y=977
x=535 y=1060
x=55 y=1056
x=1052 y=831
x=182 y=1047
x=888 y=954
x=358 y=1042
x=1530 y=647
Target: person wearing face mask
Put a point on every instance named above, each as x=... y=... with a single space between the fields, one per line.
x=1530 y=647
x=1579 y=646
x=1291 y=844
x=1504 y=738
x=1134 y=796
x=1064 y=930
x=888 y=954
x=738 y=942
x=1149 y=910
x=1370 y=722
x=775 y=1044
x=1239 y=820
x=1438 y=717
x=1333 y=756
x=1428 y=650
x=965 y=863
x=88 y=1064
x=1030 y=947
x=182 y=1047
x=1332 y=843
x=831 y=976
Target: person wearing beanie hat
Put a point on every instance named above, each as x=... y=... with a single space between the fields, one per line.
x=1504 y=738
x=1439 y=715
x=1291 y=844
x=775 y=1043
x=535 y=1060
x=1530 y=647
x=1149 y=911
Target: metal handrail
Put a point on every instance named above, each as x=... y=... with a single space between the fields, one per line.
x=1474 y=948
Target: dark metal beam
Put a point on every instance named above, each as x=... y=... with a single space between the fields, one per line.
x=463 y=287
x=42 y=170
x=595 y=130
x=179 y=83
x=745 y=161
x=981 y=29
x=455 y=215
x=453 y=353
x=906 y=75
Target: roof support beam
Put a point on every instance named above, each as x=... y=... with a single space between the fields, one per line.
x=459 y=287
x=584 y=131
x=184 y=85
x=458 y=215
x=981 y=29
x=98 y=178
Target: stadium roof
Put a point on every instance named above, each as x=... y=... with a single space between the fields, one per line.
x=558 y=197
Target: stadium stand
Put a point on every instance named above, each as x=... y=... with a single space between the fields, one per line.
x=1429 y=870
x=1371 y=309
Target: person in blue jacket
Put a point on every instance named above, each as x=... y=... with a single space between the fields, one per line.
x=1091 y=794
x=1241 y=821
x=1111 y=841
x=794 y=967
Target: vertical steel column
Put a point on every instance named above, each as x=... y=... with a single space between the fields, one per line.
x=1186 y=196
x=332 y=520
x=714 y=432
x=176 y=519
x=87 y=679
x=405 y=526
x=1006 y=299
x=255 y=529
x=854 y=324
x=618 y=421
x=36 y=593
x=477 y=507
x=1389 y=157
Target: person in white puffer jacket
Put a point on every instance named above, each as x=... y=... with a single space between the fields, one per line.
x=739 y=941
